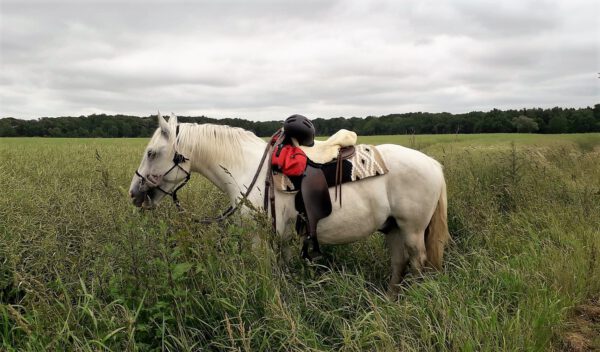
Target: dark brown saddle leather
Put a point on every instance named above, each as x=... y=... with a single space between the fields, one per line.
x=313 y=202
x=346 y=152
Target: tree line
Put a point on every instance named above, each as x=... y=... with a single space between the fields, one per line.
x=537 y=120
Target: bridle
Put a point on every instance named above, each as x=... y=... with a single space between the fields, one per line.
x=178 y=159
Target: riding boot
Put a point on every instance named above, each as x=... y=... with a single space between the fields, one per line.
x=315 y=253
x=304 y=253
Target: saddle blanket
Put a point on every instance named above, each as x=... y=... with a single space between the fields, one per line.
x=366 y=162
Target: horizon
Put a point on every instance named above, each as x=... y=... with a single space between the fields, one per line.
x=591 y=106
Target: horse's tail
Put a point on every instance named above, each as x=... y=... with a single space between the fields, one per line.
x=437 y=235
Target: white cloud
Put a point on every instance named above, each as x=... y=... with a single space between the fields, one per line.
x=269 y=59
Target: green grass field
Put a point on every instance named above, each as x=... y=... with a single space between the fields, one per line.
x=81 y=269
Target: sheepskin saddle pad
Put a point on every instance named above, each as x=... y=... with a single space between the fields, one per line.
x=323 y=152
x=366 y=162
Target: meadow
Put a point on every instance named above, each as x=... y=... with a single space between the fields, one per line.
x=82 y=269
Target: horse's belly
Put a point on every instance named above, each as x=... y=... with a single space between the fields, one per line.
x=364 y=208
x=331 y=231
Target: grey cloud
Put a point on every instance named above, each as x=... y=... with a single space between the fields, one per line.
x=483 y=19
x=515 y=18
x=265 y=59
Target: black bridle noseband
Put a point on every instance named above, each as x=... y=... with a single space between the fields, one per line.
x=177 y=160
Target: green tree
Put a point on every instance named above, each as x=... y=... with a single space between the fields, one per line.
x=524 y=124
x=55 y=132
x=558 y=124
x=6 y=128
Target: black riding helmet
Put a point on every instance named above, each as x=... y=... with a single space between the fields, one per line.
x=301 y=128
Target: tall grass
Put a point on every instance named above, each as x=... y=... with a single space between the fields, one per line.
x=81 y=269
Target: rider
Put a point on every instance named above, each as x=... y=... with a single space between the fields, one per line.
x=302 y=130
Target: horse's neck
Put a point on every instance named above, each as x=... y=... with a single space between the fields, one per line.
x=234 y=175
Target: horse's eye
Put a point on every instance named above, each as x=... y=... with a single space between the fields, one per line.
x=151 y=154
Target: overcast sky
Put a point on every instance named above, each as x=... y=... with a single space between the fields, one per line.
x=266 y=60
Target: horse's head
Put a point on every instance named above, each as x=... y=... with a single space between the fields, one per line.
x=162 y=169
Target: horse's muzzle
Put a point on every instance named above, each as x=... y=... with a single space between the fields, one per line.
x=138 y=199
x=140 y=194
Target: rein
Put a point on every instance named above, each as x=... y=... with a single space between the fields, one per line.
x=232 y=209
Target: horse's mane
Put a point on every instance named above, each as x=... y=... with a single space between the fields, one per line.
x=221 y=144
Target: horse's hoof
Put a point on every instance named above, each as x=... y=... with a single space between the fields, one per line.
x=315 y=256
x=312 y=256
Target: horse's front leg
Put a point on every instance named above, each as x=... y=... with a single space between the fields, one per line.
x=285 y=232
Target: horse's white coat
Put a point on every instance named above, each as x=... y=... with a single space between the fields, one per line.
x=229 y=158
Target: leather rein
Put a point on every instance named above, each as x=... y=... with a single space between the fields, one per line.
x=179 y=159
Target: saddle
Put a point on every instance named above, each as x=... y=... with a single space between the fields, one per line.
x=329 y=163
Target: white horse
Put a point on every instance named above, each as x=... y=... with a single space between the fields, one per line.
x=408 y=203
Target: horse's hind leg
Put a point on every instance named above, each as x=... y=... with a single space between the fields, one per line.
x=417 y=253
x=413 y=235
x=396 y=245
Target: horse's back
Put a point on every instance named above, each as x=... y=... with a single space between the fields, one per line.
x=409 y=158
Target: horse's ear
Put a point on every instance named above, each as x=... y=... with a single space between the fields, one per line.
x=164 y=126
x=173 y=120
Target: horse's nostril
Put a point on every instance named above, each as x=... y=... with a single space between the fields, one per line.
x=131 y=194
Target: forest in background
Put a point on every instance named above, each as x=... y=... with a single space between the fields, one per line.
x=535 y=120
